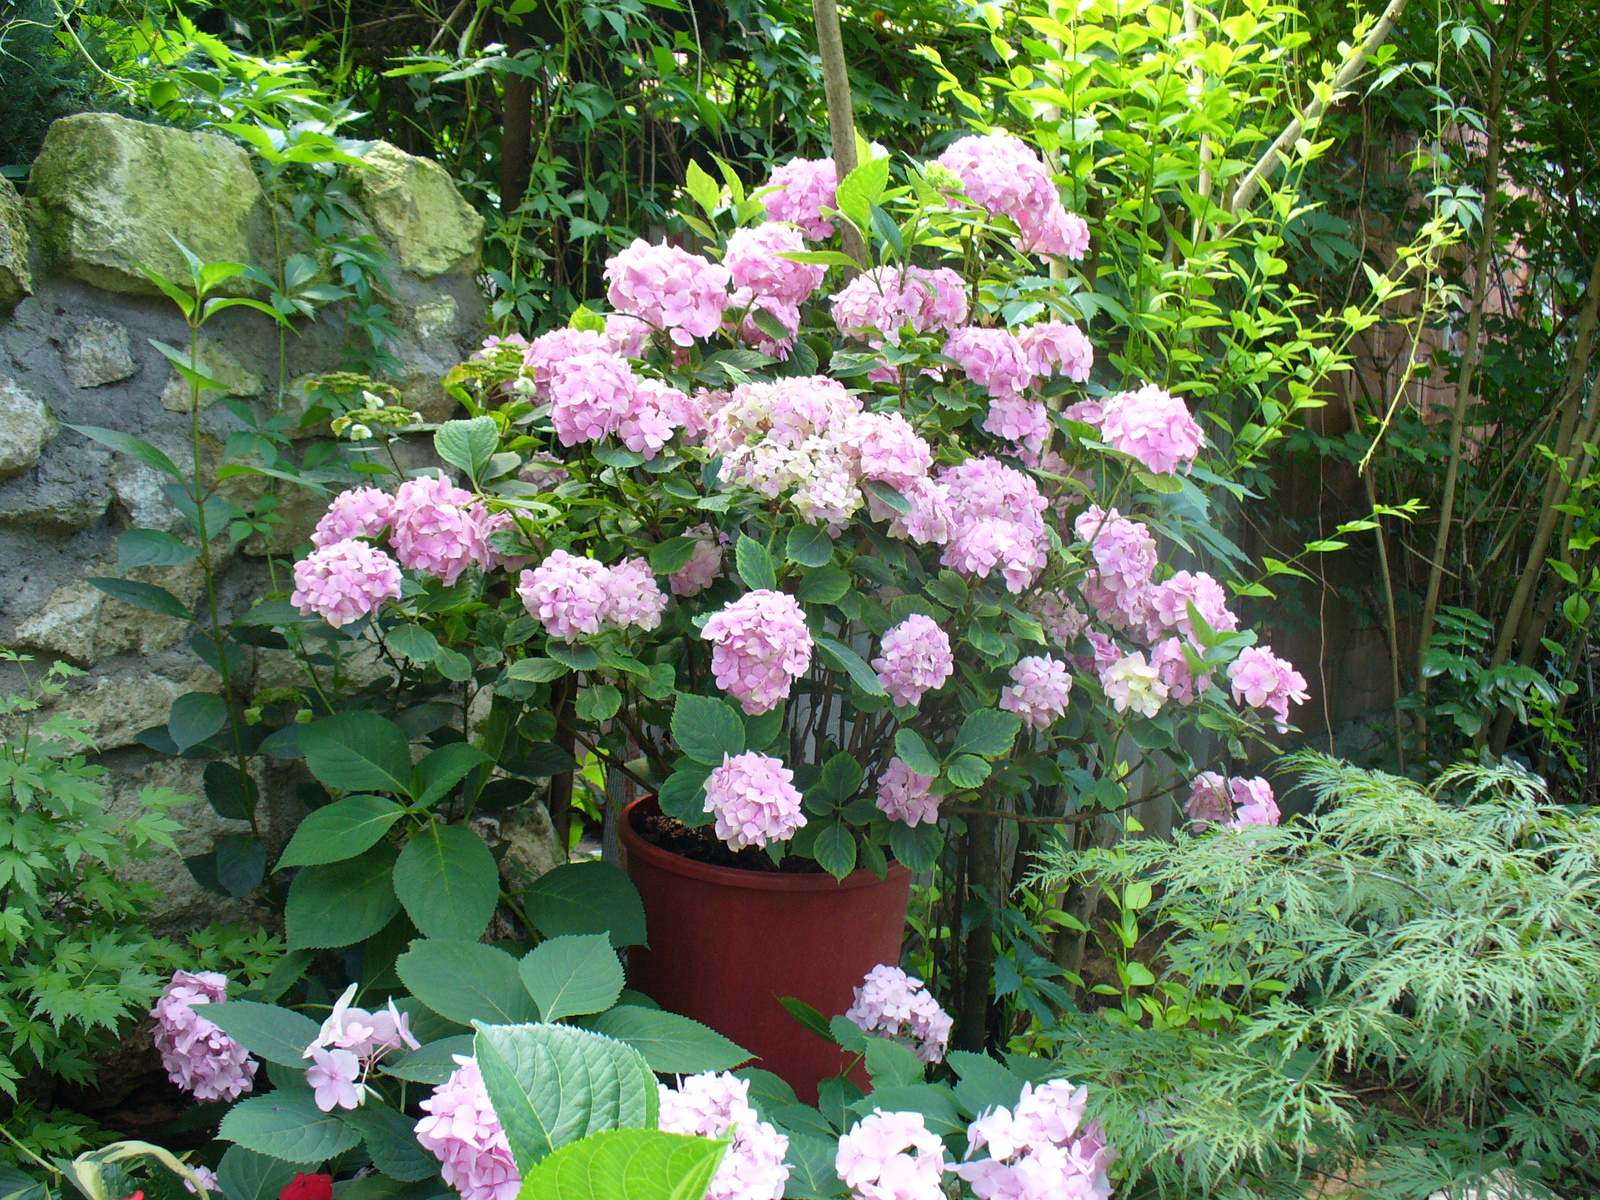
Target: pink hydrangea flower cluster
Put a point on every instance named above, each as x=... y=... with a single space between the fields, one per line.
x=1263 y=680
x=1041 y=1150
x=762 y=645
x=877 y=304
x=358 y=513
x=1060 y=618
x=764 y=279
x=704 y=564
x=198 y=1056
x=1169 y=605
x=1172 y=669
x=1125 y=557
x=658 y=410
x=675 y=291
x=986 y=515
x=441 y=529
x=804 y=188
x=548 y=351
x=464 y=1134
x=903 y=795
x=993 y=359
x=889 y=1003
x=716 y=1105
x=892 y=1156
x=590 y=394
x=1004 y=176
x=786 y=412
x=573 y=596
x=1054 y=346
x=914 y=657
x=349 y=1044
x=1039 y=693
x=344 y=582
x=754 y=800
x=1132 y=683
x=1153 y=426
x=1236 y=804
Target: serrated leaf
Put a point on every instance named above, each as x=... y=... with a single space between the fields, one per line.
x=672 y=555
x=340 y=830
x=448 y=881
x=586 y=897
x=627 y=1164
x=391 y=1139
x=287 y=1125
x=915 y=753
x=671 y=1044
x=245 y=1175
x=754 y=564
x=468 y=444
x=433 y=1063
x=989 y=732
x=151 y=548
x=278 y=1035
x=358 y=752
x=537 y=670
x=342 y=903
x=847 y=660
x=706 y=729
x=809 y=545
x=466 y=982
x=572 y=976
x=413 y=642
x=142 y=595
x=835 y=850
x=194 y=717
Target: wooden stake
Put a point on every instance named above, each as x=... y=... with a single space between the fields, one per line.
x=841 y=108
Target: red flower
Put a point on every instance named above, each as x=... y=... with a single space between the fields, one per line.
x=308 y=1187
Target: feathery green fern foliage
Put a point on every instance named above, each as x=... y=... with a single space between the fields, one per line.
x=1410 y=988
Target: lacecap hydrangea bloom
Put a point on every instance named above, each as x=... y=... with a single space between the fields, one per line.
x=344 y=582
x=804 y=187
x=440 y=529
x=1152 y=426
x=761 y=646
x=717 y=1105
x=675 y=291
x=914 y=657
x=754 y=801
x=1004 y=176
x=1235 y=804
x=358 y=513
x=889 y=1003
x=464 y=1134
x=903 y=795
x=1040 y=1150
x=892 y=1156
x=1039 y=693
x=198 y=1056
x=1263 y=680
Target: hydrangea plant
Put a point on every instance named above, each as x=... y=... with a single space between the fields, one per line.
x=819 y=551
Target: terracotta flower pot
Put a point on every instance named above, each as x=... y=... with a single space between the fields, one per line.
x=725 y=944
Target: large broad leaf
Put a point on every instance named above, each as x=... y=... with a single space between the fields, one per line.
x=149 y=455
x=933 y=1101
x=447 y=766
x=706 y=729
x=246 y=1175
x=288 y=1125
x=627 y=1164
x=358 y=752
x=448 y=882
x=466 y=982
x=467 y=444
x=339 y=831
x=142 y=595
x=433 y=1063
x=754 y=564
x=276 y=1034
x=987 y=732
x=671 y=1044
x=587 y=897
x=984 y=1083
x=889 y=1063
x=194 y=717
x=151 y=548
x=812 y=1175
x=342 y=903
x=847 y=660
x=572 y=976
x=810 y=546
x=392 y=1142
x=553 y=1084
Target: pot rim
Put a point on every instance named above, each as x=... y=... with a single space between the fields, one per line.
x=761 y=881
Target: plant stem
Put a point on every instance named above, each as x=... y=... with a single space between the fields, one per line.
x=841 y=109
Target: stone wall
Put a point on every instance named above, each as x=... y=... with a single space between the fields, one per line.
x=76 y=318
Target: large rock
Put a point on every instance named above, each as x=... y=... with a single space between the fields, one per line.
x=115 y=707
x=98 y=353
x=414 y=205
x=15 y=279
x=65 y=626
x=67 y=490
x=26 y=427
x=110 y=193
